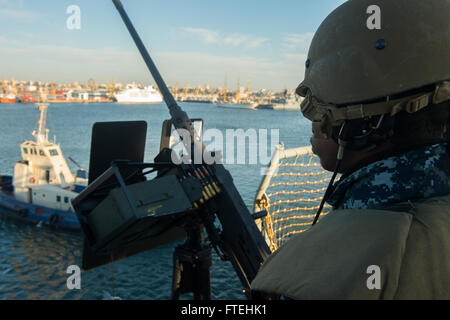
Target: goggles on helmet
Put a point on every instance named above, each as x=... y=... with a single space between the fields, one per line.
x=326 y=116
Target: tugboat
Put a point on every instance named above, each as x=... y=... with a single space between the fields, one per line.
x=41 y=190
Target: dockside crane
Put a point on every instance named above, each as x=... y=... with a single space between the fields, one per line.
x=238 y=90
x=5 y=87
x=247 y=92
x=52 y=88
x=111 y=88
x=175 y=91
x=225 y=89
x=92 y=84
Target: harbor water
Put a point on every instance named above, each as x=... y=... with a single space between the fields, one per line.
x=34 y=260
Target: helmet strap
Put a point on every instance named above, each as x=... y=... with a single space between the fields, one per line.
x=342 y=142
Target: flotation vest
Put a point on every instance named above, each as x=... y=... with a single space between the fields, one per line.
x=335 y=259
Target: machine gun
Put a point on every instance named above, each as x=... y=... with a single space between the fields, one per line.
x=122 y=213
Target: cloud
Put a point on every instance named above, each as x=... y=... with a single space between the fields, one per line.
x=68 y=64
x=233 y=39
x=17 y=14
x=295 y=56
x=237 y=39
x=256 y=42
x=199 y=67
x=298 y=42
x=205 y=35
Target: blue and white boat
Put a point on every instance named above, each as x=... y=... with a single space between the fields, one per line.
x=41 y=190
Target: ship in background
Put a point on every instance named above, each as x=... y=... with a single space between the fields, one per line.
x=133 y=94
x=286 y=105
x=241 y=99
x=237 y=105
x=28 y=99
x=42 y=187
x=8 y=93
x=8 y=98
x=289 y=102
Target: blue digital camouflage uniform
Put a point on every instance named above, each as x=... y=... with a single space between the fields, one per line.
x=413 y=176
x=393 y=214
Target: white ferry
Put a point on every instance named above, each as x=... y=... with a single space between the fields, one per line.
x=133 y=94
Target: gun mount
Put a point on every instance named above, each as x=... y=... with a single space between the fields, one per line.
x=122 y=213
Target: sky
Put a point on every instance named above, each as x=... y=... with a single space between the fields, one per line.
x=192 y=42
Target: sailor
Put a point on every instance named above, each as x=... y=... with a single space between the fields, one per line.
x=379 y=101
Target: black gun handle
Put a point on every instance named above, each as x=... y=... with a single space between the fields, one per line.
x=245 y=245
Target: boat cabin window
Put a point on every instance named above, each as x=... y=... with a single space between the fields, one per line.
x=41 y=153
x=53 y=152
x=66 y=199
x=58 y=198
x=25 y=150
x=34 y=151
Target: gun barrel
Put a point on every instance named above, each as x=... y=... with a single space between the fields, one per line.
x=244 y=244
x=168 y=98
x=179 y=117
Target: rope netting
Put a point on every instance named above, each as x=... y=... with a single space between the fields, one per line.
x=291 y=192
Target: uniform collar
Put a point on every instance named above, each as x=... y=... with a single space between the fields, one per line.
x=417 y=174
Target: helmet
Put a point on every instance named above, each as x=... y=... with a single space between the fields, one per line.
x=348 y=62
x=354 y=71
